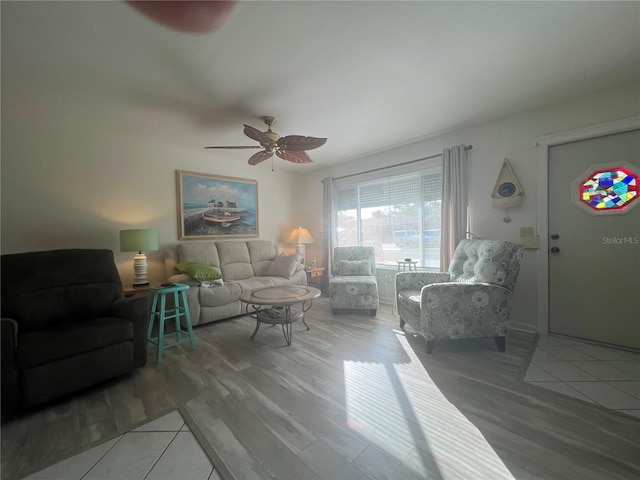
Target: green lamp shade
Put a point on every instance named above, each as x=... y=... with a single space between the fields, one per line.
x=138 y=240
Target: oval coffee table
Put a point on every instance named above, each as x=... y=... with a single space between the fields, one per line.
x=287 y=304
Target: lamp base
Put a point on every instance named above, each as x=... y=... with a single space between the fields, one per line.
x=140 y=270
x=300 y=249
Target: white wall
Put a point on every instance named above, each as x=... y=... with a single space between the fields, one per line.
x=70 y=179
x=511 y=137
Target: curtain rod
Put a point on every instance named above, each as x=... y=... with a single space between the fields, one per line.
x=467 y=147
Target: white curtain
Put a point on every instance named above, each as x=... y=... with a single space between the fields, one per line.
x=328 y=217
x=454 y=202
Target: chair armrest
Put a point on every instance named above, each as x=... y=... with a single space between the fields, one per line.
x=10 y=391
x=135 y=309
x=9 y=333
x=417 y=280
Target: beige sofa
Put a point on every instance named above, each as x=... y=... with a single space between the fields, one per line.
x=244 y=265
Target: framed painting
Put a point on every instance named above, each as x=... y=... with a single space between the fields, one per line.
x=215 y=207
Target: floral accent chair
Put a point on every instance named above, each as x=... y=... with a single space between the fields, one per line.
x=471 y=300
x=353 y=284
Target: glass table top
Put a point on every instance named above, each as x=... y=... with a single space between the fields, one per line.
x=280 y=295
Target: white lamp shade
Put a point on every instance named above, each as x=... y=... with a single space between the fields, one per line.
x=138 y=240
x=300 y=236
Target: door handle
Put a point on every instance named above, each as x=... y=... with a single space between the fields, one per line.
x=555 y=250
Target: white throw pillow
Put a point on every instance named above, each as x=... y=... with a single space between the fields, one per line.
x=283 y=266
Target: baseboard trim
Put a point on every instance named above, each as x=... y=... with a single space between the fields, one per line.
x=522 y=327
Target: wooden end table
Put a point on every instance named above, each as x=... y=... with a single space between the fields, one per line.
x=315 y=277
x=131 y=291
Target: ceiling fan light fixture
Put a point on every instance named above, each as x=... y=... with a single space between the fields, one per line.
x=272 y=135
x=270 y=122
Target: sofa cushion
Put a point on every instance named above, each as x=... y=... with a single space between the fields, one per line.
x=199 y=252
x=354 y=267
x=261 y=253
x=256 y=282
x=69 y=339
x=354 y=291
x=199 y=271
x=283 y=266
x=218 y=296
x=235 y=261
x=410 y=299
x=53 y=379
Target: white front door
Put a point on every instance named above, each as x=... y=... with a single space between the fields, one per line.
x=594 y=260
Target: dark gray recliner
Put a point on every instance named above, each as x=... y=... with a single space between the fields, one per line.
x=66 y=325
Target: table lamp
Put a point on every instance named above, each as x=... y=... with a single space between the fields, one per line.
x=137 y=241
x=300 y=236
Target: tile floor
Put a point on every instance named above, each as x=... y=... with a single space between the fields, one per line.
x=163 y=449
x=605 y=376
x=166 y=449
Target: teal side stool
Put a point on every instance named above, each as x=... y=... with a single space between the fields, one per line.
x=161 y=313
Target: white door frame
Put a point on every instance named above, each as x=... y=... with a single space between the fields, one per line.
x=542 y=144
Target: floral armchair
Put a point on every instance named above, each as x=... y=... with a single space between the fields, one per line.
x=471 y=300
x=353 y=284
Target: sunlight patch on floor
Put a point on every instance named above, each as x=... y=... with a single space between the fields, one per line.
x=418 y=427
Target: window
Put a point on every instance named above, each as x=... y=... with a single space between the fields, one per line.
x=399 y=216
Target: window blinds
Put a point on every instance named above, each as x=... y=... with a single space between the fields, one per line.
x=402 y=190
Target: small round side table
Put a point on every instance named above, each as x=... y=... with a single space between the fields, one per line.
x=407 y=265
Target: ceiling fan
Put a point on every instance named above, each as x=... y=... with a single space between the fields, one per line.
x=291 y=148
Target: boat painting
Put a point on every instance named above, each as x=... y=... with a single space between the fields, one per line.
x=224 y=220
x=210 y=206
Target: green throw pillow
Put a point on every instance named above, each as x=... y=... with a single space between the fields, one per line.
x=199 y=271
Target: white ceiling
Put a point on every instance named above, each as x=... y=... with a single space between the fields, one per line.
x=367 y=75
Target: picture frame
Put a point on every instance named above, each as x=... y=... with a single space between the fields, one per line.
x=215 y=207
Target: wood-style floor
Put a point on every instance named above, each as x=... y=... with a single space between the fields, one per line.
x=354 y=397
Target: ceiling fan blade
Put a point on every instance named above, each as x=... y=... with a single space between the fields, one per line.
x=300 y=142
x=256 y=135
x=237 y=147
x=294 y=156
x=260 y=157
